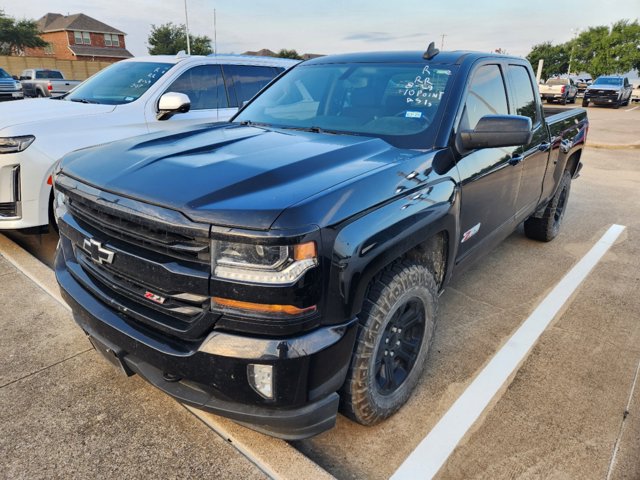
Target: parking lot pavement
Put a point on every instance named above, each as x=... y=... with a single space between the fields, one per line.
x=66 y=413
x=611 y=127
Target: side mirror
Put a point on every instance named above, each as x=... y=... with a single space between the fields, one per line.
x=15 y=77
x=498 y=131
x=171 y=103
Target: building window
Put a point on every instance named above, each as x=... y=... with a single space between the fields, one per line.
x=82 y=38
x=111 y=40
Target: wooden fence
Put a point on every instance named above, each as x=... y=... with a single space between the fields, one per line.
x=71 y=69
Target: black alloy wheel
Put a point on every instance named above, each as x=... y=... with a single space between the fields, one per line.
x=400 y=347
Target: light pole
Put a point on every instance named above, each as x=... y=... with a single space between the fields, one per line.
x=186 y=16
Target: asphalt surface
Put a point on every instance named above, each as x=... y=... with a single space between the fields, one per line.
x=570 y=411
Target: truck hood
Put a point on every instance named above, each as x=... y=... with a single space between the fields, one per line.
x=613 y=88
x=228 y=175
x=41 y=110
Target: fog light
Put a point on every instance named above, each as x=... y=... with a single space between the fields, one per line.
x=261 y=379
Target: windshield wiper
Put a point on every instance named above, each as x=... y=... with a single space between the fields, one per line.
x=81 y=100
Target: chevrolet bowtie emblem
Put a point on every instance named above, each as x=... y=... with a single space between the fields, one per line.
x=98 y=253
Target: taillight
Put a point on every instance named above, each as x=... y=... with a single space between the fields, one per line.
x=50 y=87
x=563 y=89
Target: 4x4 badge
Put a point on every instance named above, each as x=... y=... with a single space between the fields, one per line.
x=98 y=253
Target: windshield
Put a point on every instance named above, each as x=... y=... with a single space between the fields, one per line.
x=608 y=81
x=53 y=74
x=397 y=102
x=4 y=74
x=122 y=82
x=557 y=81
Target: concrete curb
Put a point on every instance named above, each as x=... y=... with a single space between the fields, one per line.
x=608 y=146
x=274 y=457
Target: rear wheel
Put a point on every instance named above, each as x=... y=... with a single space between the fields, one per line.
x=585 y=103
x=547 y=227
x=396 y=330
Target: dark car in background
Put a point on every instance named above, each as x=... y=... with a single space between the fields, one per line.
x=583 y=83
x=611 y=90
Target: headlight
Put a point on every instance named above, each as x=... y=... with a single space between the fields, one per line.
x=262 y=264
x=15 y=144
x=18 y=86
x=59 y=204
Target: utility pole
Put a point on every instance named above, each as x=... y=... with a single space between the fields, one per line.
x=186 y=16
x=215 y=34
x=575 y=32
x=442 y=41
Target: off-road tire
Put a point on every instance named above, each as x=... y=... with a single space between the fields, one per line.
x=547 y=227
x=402 y=289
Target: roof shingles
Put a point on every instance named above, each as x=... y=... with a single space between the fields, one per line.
x=53 y=22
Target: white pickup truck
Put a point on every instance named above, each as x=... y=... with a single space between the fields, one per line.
x=563 y=90
x=131 y=97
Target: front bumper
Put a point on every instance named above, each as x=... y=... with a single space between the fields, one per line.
x=24 y=191
x=15 y=95
x=602 y=99
x=211 y=374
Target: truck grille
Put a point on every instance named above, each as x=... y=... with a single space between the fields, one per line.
x=144 y=235
x=8 y=86
x=155 y=272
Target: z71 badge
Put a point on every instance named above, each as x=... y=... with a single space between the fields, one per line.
x=154 y=298
x=470 y=233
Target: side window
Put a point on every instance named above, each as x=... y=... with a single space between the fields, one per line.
x=524 y=99
x=204 y=87
x=486 y=96
x=247 y=80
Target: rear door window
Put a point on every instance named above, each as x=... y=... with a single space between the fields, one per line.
x=244 y=81
x=523 y=96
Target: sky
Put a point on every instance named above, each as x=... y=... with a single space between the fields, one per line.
x=337 y=26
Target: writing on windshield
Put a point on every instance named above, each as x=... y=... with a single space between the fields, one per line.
x=387 y=100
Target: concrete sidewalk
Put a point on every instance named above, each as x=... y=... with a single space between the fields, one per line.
x=66 y=413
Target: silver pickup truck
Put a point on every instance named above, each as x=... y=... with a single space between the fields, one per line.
x=42 y=82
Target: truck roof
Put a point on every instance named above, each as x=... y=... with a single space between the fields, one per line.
x=453 y=57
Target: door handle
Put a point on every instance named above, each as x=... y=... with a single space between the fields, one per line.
x=516 y=159
x=544 y=147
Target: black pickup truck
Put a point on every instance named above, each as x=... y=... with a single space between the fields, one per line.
x=276 y=267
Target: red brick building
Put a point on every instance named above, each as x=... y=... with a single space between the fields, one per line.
x=79 y=37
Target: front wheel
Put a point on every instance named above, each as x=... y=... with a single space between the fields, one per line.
x=395 y=333
x=547 y=227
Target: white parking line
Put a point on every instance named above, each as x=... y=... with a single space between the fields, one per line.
x=632 y=109
x=433 y=451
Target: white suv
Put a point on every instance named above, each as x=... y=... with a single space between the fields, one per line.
x=131 y=97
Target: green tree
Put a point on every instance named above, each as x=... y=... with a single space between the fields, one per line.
x=284 y=53
x=556 y=58
x=15 y=36
x=169 y=39
x=603 y=50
